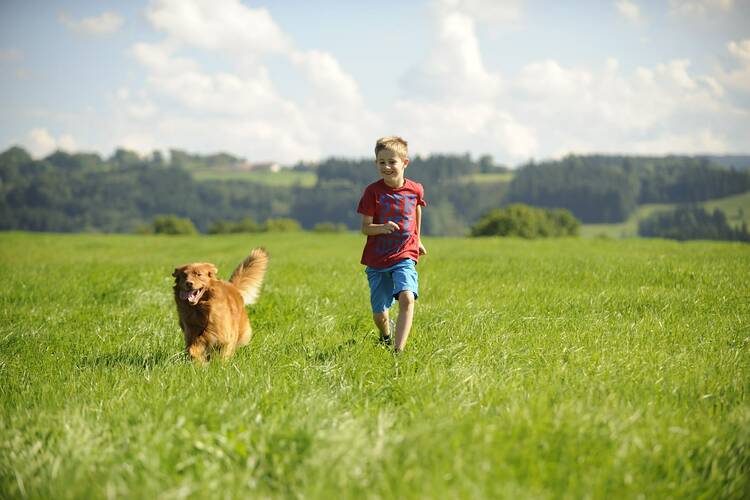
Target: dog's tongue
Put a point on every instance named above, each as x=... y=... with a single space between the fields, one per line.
x=191 y=295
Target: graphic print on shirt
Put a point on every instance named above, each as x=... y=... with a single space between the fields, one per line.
x=401 y=209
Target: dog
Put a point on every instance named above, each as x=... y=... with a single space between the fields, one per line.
x=212 y=311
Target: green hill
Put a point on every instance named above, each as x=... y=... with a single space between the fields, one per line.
x=736 y=207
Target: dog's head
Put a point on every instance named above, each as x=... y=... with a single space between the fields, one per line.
x=192 y=280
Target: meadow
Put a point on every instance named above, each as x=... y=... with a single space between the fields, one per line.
x=285 y=177
x=575 y=368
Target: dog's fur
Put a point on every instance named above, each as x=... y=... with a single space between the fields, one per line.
x=211 y=311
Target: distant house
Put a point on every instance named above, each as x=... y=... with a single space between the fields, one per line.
x=267 y=166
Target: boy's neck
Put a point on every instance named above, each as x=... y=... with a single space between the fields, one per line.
x=398 y=184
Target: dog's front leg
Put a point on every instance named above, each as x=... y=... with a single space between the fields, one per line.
x=227 y=351
x=197 y=350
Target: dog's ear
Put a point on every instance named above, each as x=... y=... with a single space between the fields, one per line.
x=212 y=270
x=177 y=271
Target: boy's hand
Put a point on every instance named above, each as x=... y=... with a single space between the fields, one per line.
x=422 y=249
x=389 y=227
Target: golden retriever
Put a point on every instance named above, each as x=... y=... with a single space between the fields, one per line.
x=212 y=311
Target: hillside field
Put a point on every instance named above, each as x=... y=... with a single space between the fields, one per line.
x=285 y=177
x=575 y=368
x=736 y=208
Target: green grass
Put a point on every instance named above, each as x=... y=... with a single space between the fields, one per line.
x=737 y=209
x=536 y=369
x=281 y=178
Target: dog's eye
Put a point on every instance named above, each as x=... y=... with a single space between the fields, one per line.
x=198 y=274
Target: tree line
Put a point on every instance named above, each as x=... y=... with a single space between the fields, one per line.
x=85 y=192
x=607 y=189
x=691 y=223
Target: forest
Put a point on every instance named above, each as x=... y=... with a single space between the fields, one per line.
x=83 y=192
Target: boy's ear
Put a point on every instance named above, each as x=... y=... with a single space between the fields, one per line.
x=406 y=162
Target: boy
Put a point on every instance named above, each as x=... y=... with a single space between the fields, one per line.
x=391 y=211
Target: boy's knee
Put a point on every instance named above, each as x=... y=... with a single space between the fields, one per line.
x=406 y=298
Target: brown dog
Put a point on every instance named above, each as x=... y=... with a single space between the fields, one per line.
x=211 y=311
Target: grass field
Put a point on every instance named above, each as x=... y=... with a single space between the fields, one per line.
x=285 y=177
x=545 y=369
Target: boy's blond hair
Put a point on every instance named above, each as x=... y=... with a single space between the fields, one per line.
x=394 y=144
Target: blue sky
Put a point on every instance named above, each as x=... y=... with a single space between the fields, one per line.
x=296 y=80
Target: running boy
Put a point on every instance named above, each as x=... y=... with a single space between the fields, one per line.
x=391 y=211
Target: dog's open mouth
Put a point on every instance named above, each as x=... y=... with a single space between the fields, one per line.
x=192 y=296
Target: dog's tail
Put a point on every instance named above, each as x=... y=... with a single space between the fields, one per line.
x=248 y=276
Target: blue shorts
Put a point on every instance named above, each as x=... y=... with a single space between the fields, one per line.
x=386 y=284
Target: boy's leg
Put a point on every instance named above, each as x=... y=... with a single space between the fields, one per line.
x=381 y=321
x=381 y=299
x=405 y=317
x=406 y=289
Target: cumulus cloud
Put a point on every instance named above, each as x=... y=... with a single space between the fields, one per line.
x=40 y=142
x=101 y=25
x=248 y=112
x=699 y=7
x=697 y=141
x=496 y=12
x=738 y=78
x=740 y=50
x=603 y=109
x=454 y=65
x=451 y=98
x=225 y=25
x=451 y=101
x=629 y=10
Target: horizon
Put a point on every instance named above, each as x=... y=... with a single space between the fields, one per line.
x=513 y=79
x=167 y=155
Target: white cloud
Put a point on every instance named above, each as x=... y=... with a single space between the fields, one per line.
x=697 y=141
x=449 y=127
x=40 y=142
x=325 y=74
x=248 y=113
x=225 y=25
x=699 y=7
x=496 y=12
x=159 y=58
x=451 y=100
x=740 y=50
x=454 y=66
x=738 y=78
x=629 y=10
x=104 y=24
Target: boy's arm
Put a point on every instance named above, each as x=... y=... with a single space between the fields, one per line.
x=371 y=229
x=422 y=249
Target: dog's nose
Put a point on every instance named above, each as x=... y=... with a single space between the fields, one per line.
x=189 y=283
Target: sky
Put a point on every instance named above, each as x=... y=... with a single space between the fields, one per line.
x=295 y=80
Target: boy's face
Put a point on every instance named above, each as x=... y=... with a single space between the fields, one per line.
x=391 y=167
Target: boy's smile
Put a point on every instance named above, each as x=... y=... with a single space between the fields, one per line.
x=391 y=167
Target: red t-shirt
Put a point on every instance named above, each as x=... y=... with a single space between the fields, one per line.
x=384 y=203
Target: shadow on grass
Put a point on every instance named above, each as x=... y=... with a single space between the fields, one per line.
x=134 y=359
x=332 y=352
